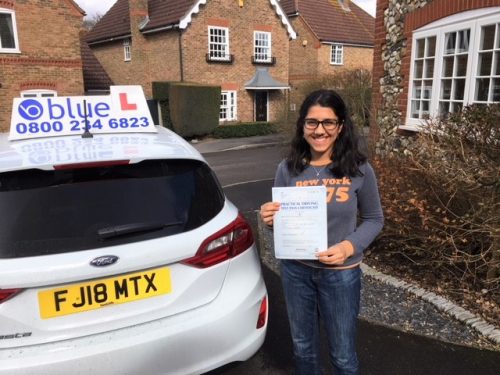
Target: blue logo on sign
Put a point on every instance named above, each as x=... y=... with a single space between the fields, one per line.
x=30 y=109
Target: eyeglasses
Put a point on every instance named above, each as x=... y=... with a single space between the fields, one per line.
x=328 y=124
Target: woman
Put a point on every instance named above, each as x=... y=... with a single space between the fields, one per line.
x=324 y=151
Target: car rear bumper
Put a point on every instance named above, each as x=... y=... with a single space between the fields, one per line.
x=200 y=340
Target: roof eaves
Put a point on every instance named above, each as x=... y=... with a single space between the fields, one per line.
x=161 y=28
x=347 y=43
x=107 y=40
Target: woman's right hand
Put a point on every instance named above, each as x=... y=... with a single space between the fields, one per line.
x=267 y=212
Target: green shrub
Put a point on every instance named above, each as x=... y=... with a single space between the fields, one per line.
x=189 y=109
x=244 y=129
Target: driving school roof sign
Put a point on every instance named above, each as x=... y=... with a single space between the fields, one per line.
x=125 y=110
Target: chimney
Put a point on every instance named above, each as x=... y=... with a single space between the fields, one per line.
x=138 y=7
x=345 y=4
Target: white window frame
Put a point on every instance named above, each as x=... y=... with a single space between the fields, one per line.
x=228 y=106
x=218 y=43
x=38 y=93
x=127 y=52
x=15 y=49
x=337 y=54
x=262 y=45
x=473 y=20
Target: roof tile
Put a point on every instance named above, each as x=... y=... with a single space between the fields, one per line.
x=114 y=24
x=331 y=23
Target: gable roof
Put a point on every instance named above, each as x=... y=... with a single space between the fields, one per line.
x=95 y=77
x=115 y=24
x=162 y=15
x=331 y=22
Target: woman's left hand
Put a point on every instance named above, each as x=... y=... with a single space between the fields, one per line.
x=336 y=254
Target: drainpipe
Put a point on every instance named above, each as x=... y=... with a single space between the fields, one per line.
x=181 y=65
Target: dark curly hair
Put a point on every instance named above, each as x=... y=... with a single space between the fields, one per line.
x=346 y=156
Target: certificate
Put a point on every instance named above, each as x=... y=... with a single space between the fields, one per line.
x=300 y=227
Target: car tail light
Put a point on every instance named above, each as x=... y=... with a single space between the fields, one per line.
x=94 y=164
x=6 y=294
x=223 y=245
x=261 y=320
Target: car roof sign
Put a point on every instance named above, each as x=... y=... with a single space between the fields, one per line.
x=124 y=110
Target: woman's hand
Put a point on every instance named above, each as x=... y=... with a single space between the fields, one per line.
x=336 y=254
x=267 y=212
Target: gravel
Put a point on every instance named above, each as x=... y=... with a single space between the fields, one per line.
x=388 y=301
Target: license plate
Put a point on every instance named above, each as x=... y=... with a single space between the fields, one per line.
x=95 y=294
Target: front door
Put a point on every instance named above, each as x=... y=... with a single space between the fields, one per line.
x=260 y=105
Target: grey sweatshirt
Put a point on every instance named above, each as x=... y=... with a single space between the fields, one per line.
x=346 y=197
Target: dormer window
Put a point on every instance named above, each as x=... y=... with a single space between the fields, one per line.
x=8 y=32
x=127 y=55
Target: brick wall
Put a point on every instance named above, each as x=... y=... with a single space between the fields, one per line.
x=48 y=34
x=242 y=22
x=303 y=52
x=354 y=58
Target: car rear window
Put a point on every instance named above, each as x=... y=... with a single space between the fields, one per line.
x=60 y=211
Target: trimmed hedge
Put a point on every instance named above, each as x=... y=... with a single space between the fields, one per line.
x=244 y=129
x=189 y=109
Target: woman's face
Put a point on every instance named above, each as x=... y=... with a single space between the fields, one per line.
x=320 y=139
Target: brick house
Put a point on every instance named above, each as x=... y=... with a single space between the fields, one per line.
x=433 y=57
x=333 y=35
x=241 y=46
x=34 y=59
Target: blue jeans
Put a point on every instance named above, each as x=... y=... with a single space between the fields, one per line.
x=333 y=295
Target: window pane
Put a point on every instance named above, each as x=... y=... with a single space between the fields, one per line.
x=418 y=68
x=461 y=66
x=415 y=108
x=496 y=90
x=463 y=40
x=420 y=48
x=459 y=89
x=427 y=90
x=482 y=87
x=450 y=40
x=431 y=46
x=153 y=191
x=484 y=63
x=6 y=31
x=448 y=66
x=425 y=108
x=487 y=37
x=497 y=63
x=446 y=89
x=443 y=109
x=429 y=68
x=456 y=107
x=417 y=91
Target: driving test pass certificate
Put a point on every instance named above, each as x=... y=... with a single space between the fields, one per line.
x=300 y=227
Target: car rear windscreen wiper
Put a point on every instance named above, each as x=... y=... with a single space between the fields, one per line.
x=133 y=228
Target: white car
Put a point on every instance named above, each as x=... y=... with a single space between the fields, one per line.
x=119 y=254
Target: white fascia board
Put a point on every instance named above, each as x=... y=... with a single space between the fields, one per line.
x=284 y=19
x=186 y=20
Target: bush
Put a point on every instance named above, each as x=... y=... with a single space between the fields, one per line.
x=441 y=203
x=247 y=129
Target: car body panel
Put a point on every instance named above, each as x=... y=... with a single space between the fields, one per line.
x=207 y=319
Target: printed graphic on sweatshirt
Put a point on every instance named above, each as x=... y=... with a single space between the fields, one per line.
x=337 y=189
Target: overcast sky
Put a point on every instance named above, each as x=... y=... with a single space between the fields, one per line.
x=93 y=7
